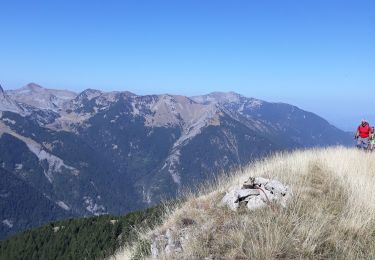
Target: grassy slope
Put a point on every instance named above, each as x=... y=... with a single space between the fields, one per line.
x=85 y=238
x=331 y=214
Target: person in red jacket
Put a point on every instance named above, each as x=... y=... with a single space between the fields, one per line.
x=363 y=134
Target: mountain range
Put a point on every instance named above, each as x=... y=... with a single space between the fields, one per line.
x=66 y=154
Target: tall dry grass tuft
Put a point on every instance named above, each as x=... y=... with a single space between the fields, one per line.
x=331 y=213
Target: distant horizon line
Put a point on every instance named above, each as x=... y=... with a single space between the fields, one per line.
x=33 y=84
x=345 y=126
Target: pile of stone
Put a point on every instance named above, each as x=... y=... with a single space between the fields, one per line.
x=257 y=193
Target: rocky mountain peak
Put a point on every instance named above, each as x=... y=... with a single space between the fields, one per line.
x=218 y=97
x=225 y=96
x=33 y=87
x=39 y=97
x=89 y=94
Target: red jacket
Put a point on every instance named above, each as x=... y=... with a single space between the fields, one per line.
x=364 y=131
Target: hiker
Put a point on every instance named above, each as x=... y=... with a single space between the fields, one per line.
x=371 y=144
x=362 y=135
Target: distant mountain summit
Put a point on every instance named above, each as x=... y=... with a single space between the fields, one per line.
x=99 y=152
x=291 y=125
x=42 y=98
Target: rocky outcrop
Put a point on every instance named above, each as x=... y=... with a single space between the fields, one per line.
x=257 y=193
x=169 y=243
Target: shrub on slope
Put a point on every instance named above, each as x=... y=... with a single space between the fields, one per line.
x=331 y=214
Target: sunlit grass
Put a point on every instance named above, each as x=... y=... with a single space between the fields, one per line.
x=331 y=213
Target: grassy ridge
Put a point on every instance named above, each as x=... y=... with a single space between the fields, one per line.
x=330 y=215
x=85 y=238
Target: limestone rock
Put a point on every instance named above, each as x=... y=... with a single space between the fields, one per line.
x=231 y=200
x=260 y=181
x=257 y=193
x=277 y=188
x=267 y=196
x=243 y=193
x=256 y=202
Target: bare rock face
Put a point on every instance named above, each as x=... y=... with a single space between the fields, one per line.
x=257 y=193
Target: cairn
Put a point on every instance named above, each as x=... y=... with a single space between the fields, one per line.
x=257 y=193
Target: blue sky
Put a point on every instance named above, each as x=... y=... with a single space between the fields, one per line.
x=316 y=54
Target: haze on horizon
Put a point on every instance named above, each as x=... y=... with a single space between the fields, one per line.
x=318 y=55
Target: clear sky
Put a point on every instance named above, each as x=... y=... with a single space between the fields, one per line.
x=316 y=54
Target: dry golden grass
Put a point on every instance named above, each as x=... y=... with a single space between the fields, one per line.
x=331 y=213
